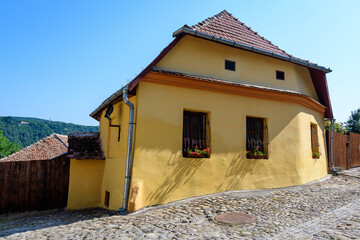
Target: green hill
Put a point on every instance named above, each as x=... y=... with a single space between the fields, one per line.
x=26 y=131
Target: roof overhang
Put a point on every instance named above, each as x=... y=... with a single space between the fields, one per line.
x=180 y=79
x=321 y=87
x=186 y=30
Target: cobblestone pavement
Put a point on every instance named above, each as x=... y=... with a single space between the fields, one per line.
x=328 y=209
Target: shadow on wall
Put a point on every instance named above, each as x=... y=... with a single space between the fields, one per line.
x=181 y=170
x=176 y=178
x=238 y=168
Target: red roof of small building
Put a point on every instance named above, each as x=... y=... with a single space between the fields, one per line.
x=46 y=148
x=226 y=26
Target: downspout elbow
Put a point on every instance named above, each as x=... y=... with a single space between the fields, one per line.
x=126 y=99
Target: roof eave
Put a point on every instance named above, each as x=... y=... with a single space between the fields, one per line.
x=185 y=30
x=107 y=101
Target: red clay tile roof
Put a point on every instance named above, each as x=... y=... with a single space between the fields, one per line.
x=229 y=30
x=226 y=29
x=46 y=148
x=224 y=25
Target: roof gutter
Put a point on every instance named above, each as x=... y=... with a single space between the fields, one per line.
x=107 y=101
x=185 y=30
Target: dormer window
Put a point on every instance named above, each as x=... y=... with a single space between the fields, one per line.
x=229 y=65
x=280 y=75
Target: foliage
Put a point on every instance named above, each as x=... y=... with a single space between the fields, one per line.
x=26 y=131
x=198 y=152
x=316 y=155
x=338 y=127
x=255 y=152
x=354 y=121
x=6 y=146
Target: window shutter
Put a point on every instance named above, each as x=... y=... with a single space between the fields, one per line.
x=207 y=132
x=314 y=139
x=266 y=140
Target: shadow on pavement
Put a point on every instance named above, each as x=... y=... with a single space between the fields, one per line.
x=12 y=223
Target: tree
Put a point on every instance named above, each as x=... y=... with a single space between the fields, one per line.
x=354 y=121
x=338 y=127
x=6 y=146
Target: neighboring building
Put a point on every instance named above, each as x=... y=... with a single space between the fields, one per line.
x=46 y=148
x=220 y=86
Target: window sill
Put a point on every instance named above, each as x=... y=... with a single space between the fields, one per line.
x=195 y=156
x=256 y=157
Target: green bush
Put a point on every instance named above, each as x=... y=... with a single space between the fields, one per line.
x=6 y=146
x=339 y=127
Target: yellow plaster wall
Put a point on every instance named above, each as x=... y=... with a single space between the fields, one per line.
x=202 y=57
x=115 y=152
x=85 y=183
x=166 y=176
x=161 y=174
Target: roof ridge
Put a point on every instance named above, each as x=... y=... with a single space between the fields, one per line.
x=57 y=137
x=252 y=30
x=58 y=134
x=211 y=19
x=203 y=24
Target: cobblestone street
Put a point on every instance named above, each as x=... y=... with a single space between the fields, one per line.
x=327 y=209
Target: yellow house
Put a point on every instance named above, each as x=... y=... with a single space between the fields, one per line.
x=221 y=108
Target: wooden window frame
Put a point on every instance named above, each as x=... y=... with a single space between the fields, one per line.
x=257 y=136
x=196 y=132
x=315 y=146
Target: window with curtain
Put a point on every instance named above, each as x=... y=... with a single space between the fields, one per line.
x=256 y=138
x=196 y=133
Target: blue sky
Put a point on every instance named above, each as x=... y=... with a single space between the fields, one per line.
x=61 y=59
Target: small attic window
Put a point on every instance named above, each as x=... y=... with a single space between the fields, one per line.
x=229 y=65
x=280 y=75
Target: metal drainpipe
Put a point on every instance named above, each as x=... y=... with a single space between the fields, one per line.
x=123 y=210
x=333 y=170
